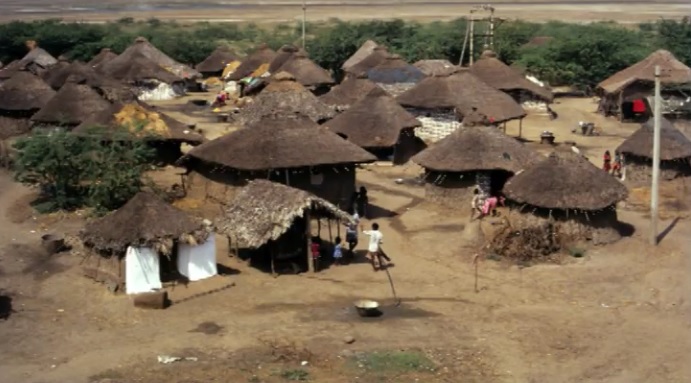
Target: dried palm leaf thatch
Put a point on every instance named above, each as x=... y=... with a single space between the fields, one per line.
x=72 y=105
x=365 y=50
x=137 y=67
x=264 y=210
x=350 y=91
x=503 y=77
x=263 y=55
x=674 y=145
x=378 y=56
x=565 y=181
x=305 y=71
x=217 y=60
x=436 y=67
x=675 y=72
x=105 y=55
x=24 y=91
x=143 y=47
x=144 y=221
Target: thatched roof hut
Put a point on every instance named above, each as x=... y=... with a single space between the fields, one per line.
x=305 y=71
x=674 y=73
x=365 y=50
x=262 y=56
x=263 y=211
x=216 y=62
x=501 y=76
x=376 y=121
x=80 y=73
x=350 y=91
x=72 y=105
x=394 y=70
x=144 y=221
x=37 y=61
x=142 y=120
x=144 y=47
x=436 y=67
x=463 y=92
x=565 y=181
x=378 y=56
x=104 y=56
x=283 y=54
x=137 y=67
x=481 y=148
x=285 y=95
x=673 y=144
x=24 y=91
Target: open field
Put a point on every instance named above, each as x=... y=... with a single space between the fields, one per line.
x=289 y=10
x=618 y=315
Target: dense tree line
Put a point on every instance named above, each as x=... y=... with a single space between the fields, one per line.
x=577 y=54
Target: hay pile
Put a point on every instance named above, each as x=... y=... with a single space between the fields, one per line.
x=527 y=245
x=135 y=117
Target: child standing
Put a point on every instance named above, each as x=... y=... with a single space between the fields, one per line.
x=315 y=248
x=338 y=252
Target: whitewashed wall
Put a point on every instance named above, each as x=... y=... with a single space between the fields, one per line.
x=396 y=89
x=435 y=126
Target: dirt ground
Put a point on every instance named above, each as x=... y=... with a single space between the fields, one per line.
x=619 y=314
x=289 y=10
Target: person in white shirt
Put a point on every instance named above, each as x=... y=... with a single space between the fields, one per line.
x=374 y=251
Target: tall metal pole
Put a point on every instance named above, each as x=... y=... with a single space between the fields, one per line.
x=491 y=29
x=654 y=190
x=472 y=37
x=304 y=21
x=465 y=43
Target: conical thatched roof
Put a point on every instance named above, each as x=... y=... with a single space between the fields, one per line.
x=263 y=55
x=55 y=68
x=436 y=67
x=395 y=70
x=10 y=69
x=282 y=55
x=464 y=92
x=136 y=67
x=501 y=76
x=306 y=71
x=263 y=211
x=565 y=181
x=24 y=91
x=143 y=221
x=477 y=148
x=72 y=105
x=350 y=91
x=673 y=143
x=280 y=142
x=673 y=71
x=142 y=120
x=365 y=50
x=377 y=57
x=103 y=56
x=144 y=47
x=285 y=96
x=80 y=73
x=375 y=121
x=217 y=60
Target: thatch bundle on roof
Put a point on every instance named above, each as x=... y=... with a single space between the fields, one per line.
x=72 y=105
x=394 y=70
x=463 y=92
x=262 y=55
x=216 y=62
x=501 y=76
x=263 y=211
x=24 y=92
x=436 y=67
x=674 y=72
x=350 y=91
x=104 y=56
x=284 y=95
x=365 y=50
x=144 y=221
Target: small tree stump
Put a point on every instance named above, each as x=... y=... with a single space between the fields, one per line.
x=157 y=300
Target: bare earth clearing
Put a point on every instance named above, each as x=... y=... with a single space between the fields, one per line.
x=620 y=314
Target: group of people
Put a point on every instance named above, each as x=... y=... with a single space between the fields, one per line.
x=616 y=167
x=484 y=204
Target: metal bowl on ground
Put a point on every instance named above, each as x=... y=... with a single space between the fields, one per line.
x=368 y=308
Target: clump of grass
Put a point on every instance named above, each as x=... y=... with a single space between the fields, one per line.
x=296 y=375
x=395 y=361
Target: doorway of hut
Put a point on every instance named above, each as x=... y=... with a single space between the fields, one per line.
x=168 y=267
x=637 y=110
x=286 y=255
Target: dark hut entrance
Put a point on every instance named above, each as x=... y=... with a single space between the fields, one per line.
x=456 y=189
x=637 y=110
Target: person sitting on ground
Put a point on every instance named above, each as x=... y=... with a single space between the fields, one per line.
x=352 y=235
x=490 y=206
x=338 y=251
x=374 y=252
x=221 y=99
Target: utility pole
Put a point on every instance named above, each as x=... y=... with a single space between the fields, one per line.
x=472 y=37
x=304 y=21
x=491 y=28
x=465 y=42
x=654 y=190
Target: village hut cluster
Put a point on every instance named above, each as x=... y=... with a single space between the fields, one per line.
x=301 y=137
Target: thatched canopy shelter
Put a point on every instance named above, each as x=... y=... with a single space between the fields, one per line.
x=144 y=221
x=674 y=72
x=379 y=124
x=72 y=105
x=216 y=62
x=263 y=211
x=263 y=55
x=305 y=71
x=395 y=70
x=143 y=47
x=285 y=95
x=436 y=67
x=463 y=92
x=137 y=67
x=501 y=76
x=361 y=68
x=105 y=55
x=350 y=91
x=365 y=50
x=24 y=92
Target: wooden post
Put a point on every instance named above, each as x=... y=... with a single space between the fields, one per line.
x=308 y=233
x=319 y=227
x=472 y=37
x=654 y=190
x=520 y=128
x=331 y=238
x=273 y=258
x=465 y=42
x=237 y=248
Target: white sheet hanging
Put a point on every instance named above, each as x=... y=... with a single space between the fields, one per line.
x=198 y=262
x=142 y=270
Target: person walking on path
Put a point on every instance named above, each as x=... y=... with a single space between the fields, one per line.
x=374 y=251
